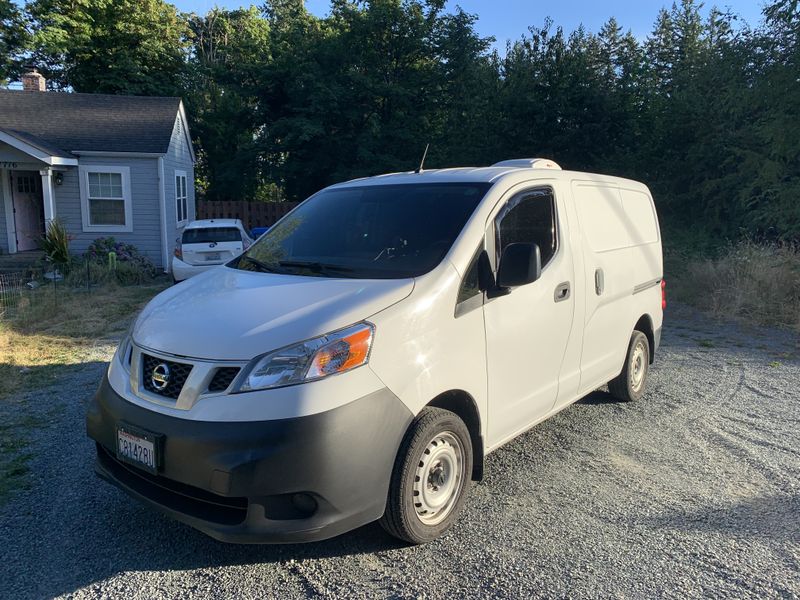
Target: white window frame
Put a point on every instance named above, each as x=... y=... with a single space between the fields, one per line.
x=185 y=204
x=125 y=172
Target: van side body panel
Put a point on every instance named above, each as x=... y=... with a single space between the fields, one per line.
x=528 y=332
x=431 y=351
x=622 y=257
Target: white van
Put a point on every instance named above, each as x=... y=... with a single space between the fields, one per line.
x=363 y=357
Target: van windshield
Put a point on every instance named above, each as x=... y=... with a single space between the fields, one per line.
x=382 y=231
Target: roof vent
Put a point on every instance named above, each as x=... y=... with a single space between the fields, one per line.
x=529 y=163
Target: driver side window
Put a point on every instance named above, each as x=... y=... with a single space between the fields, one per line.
x=528 y=217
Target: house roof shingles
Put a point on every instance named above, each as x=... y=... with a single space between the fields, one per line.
x=90 y=122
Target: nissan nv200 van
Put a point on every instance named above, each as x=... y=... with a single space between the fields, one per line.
x=364 y=356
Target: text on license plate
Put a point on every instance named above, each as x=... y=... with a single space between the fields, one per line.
x=212 y=256
x=136 y=449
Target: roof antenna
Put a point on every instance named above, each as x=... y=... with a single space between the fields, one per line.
x=422 y=162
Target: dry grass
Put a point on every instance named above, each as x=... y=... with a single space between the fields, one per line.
x=759 y=283
x=68 y=327
x=52 y=330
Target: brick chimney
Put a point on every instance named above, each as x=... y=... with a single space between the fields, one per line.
x=33 y=81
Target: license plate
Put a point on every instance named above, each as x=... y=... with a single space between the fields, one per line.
x=212 y=256
x=138 y=447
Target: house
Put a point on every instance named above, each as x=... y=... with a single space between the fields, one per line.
x=103 y=165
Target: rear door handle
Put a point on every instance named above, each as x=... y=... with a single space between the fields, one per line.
x=562 y=292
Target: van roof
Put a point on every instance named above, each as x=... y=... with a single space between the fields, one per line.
x=479 y=175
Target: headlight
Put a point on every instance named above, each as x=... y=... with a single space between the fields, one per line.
x=329 y=354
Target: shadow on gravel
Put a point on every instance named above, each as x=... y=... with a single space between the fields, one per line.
x=772 y=518
x=86 y=531
x=133 y=538
x=599 y=398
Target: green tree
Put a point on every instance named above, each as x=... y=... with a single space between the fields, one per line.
x=110 y=46
x=229 y=55
x=350 y=95
x=13 y=39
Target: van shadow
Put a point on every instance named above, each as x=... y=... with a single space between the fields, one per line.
x=87 y=531
x=772 y=518
x=133 y=538
x=599 y=398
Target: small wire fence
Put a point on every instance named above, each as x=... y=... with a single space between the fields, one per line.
x=11 y=291
x=49 y=284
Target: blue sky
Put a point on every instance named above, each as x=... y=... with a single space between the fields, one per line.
x=509 y=19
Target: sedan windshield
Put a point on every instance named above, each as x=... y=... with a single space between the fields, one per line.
x=382 y=231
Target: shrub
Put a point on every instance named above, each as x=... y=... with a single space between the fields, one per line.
x=55 y=243
x=757 y=282
x=132 y=267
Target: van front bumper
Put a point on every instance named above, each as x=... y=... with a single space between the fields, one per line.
x=289 y=480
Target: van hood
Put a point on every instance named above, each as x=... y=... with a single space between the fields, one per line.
x=227 y=314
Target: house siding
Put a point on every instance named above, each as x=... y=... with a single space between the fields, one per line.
x=146 y=234
x=178 y=158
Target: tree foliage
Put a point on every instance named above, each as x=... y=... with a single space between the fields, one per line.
x=13 y=38
x=704 y=109
x=109 y=46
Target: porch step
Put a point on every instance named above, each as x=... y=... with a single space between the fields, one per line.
x=22 y=261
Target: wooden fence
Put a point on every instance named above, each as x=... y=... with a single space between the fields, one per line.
x=252 y=214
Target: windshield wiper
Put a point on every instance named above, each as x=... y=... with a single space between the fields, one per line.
x=262 y=266
x=316 y=266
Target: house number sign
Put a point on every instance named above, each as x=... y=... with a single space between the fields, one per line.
x=8 y=165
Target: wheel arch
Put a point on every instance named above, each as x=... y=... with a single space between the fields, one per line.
x=464 y=405
x=645 y=325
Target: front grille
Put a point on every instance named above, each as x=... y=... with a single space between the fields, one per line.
x=178 y=372
x=174 y=495
x=223 y=379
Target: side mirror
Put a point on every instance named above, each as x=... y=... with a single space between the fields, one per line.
x=519 y=264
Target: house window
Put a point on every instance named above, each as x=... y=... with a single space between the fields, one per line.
x=26 y=184
x=181 y=197
x=106 y=198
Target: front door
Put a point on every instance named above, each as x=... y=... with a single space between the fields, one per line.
x=527 y=331
x=26 y=194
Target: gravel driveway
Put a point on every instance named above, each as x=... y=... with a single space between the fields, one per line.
x=694 y=491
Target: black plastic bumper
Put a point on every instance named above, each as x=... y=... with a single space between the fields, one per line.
x=289 y=480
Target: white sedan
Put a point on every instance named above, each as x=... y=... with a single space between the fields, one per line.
x=206 y=244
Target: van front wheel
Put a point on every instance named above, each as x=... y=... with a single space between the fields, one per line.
x=430 y=478
x=631 y=383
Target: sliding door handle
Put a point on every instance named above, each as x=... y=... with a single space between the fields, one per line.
x=599 y=282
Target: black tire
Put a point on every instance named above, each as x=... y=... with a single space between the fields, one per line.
x=402 y=518
x=631 y=384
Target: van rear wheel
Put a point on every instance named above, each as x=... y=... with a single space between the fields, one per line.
x=430 y=478
x=631 y=383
